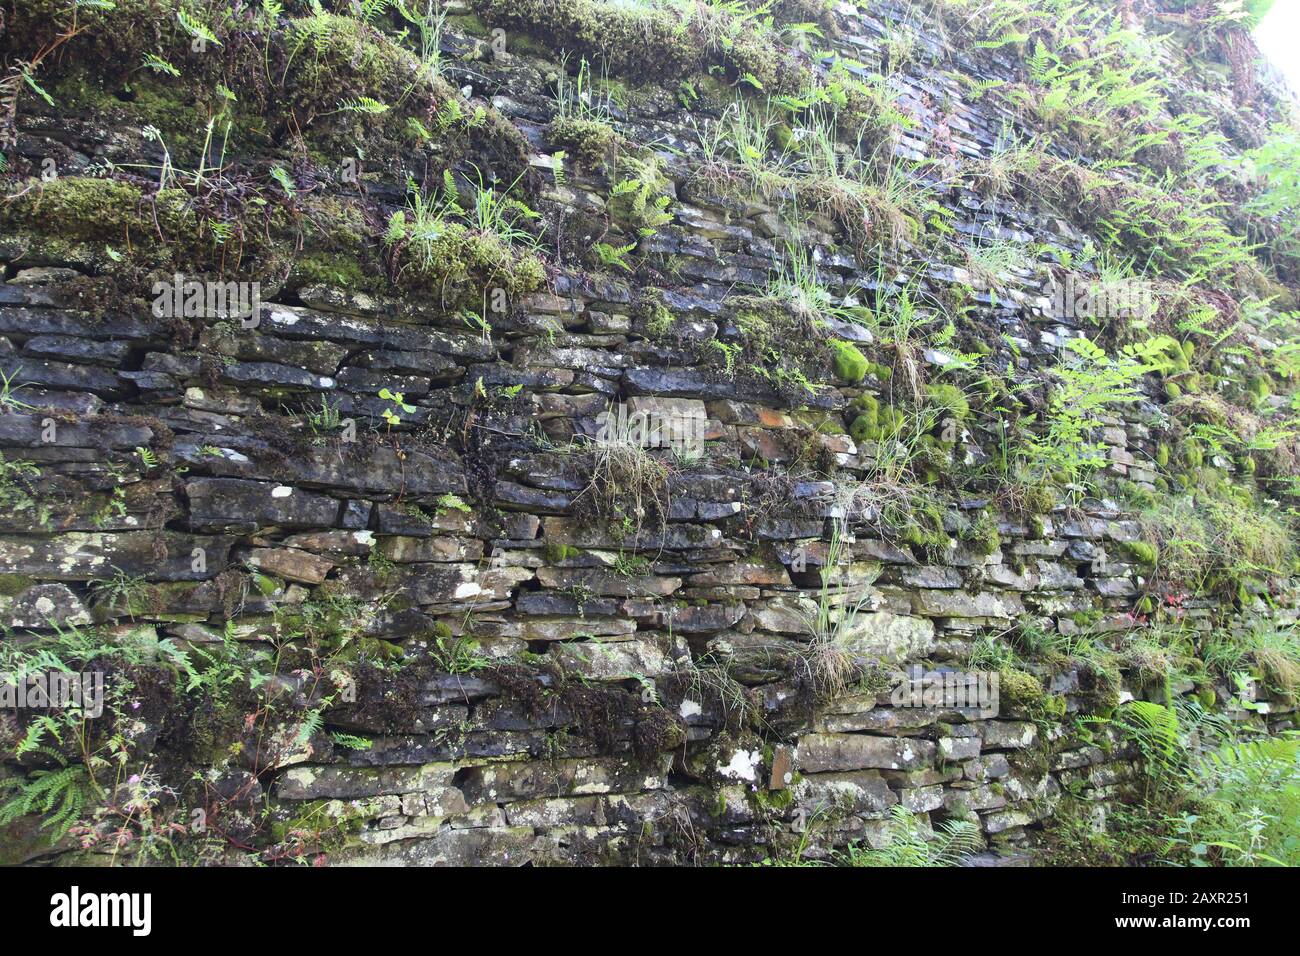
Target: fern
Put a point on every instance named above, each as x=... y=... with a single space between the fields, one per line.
x=281 y=176
x=950 y=845
x=614 y=256
x=58 y=795
x=312 y=723
x=156 y=63
x=369 y=11
x=1155 y=730
x=200 y=31
x=36 y=87
x=366 y=105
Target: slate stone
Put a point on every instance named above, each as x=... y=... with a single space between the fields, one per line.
x=232 y=503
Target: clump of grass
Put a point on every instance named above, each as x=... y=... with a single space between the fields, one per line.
x=1215 y=541
x=828 y=662
x=438 y=245
x=582 y=118
x=1270 y=651
x=627 y=482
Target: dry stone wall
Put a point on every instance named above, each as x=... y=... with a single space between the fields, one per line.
x=526 y=662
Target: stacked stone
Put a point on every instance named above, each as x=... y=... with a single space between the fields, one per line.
x=469 y=769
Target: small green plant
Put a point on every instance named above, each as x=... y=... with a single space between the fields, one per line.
x=1245 y=805
x=638 y=198
x=614 y=256
x=59 y=795
x=122 y=591
x=327 y=419
x=450 y=502
x=9 y=403
x=458 y=655
x=18 y=489
x=582 y=118
x=396 y=403
x=829 y=662
x=1088 y=382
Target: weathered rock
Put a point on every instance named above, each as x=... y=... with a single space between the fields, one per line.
x=822 y=752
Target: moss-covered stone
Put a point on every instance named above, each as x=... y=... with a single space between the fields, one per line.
x=590 y=141
x=850 y=364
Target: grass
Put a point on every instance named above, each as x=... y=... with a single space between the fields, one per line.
x=828 y=661
x=1214 y=541
x=1270 y=651
x=442 y=246
x=581 y=123
x=626 y=481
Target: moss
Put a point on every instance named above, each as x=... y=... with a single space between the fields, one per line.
x=1259 y=387
x=340 y=85
x=173 y=109
x=876 y=422
x=931 y=459
x=948 y=400
x=131 y=238
x=982 y=534
x=923 y=526
x=12 y=585
x=657 y=318
x=850 y=364
x=557 y=553
x=318 y=826
x=459 y=262
x=774 y=801
x=656 y=731
x=114 y=37
x=115 y=228
x=590 y=141
x=648 y=43
x=82 y=209
x=1142 y=552
x=335 y=62
x=1173 y=391
x=1024 y=693
x=781 y=347
x=320 y=268
x=654 y=43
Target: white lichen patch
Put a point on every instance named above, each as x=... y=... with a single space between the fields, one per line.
x=743 y=765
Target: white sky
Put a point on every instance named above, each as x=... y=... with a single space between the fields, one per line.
x=1279 y=37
